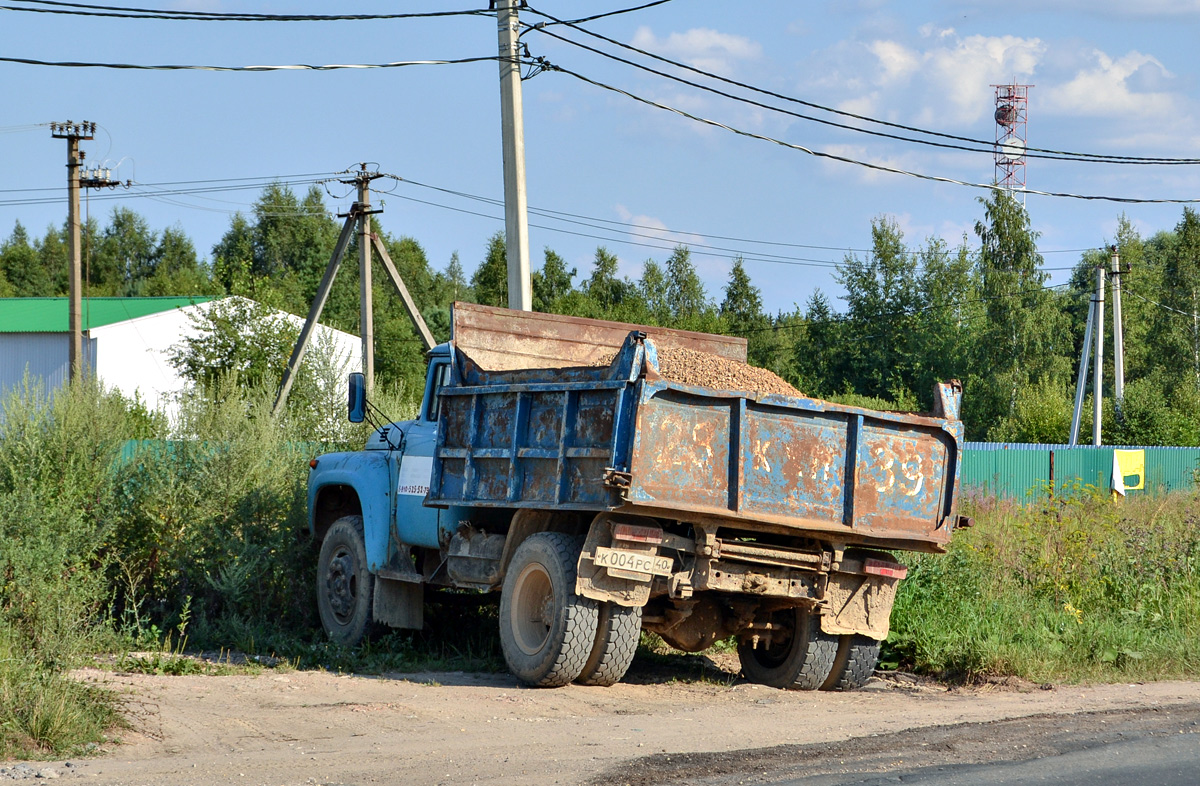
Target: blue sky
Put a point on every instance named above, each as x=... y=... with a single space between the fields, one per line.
x=1109 y=77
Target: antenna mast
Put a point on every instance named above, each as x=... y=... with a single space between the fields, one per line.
x=1012 y=116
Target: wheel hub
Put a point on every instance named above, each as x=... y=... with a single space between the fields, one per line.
x=341 y=585
x=533 y=609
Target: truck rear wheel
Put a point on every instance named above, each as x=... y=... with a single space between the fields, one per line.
x=797 y=660
x=618 y=629
x=547 y=632
x=344 y=585
x=855 y=663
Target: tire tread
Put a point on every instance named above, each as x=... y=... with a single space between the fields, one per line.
x=618 y=630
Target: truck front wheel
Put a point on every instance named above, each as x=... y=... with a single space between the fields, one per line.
x=546 y=631
x=344 y=585
x=799 y=656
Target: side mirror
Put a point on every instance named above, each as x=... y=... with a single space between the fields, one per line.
x=357 y=400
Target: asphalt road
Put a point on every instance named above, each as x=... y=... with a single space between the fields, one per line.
x=1145 y=747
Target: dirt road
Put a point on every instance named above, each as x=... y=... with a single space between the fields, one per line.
x=283 y=728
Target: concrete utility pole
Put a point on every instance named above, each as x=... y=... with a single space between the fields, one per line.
x=1098 y=379
x=1118 y=336
x=73 y=133
x=1081 y=380
x=512 y=126
x=366 y=319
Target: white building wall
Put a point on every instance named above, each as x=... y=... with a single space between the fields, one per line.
x=135 y=356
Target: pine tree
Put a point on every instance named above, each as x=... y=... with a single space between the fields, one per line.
x=490 y=280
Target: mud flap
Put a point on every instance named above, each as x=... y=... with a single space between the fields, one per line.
x=859 y=603
x=399 y=604
x=596 y=582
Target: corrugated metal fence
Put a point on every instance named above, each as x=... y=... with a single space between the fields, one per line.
x=1016 y=470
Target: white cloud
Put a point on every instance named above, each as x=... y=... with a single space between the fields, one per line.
x=650 y=229
x=701 y=47
x=929 y=29
x=898 y=62
x=1108 y=89
x=948 y=81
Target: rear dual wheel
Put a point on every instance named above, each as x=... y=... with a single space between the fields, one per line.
x=618 y=629
x=800 y=656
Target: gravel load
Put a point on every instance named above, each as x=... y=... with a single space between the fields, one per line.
x=690 y=367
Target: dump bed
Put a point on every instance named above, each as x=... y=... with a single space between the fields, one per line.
x=534 y=417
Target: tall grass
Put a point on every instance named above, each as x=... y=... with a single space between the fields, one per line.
x=1078 y=588
x=57 y=482
x=103 y=546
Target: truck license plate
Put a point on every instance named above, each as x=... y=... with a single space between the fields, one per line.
x=633 y=561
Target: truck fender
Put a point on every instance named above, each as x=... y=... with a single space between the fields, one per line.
x=527 y=521
x=366 y=474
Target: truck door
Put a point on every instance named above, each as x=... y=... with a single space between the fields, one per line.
x=417 y=525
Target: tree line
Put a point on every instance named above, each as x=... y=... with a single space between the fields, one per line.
x=912 y=314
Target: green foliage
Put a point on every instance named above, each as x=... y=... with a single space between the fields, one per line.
x=1042 y=415
x=490 y=280
x=1080 y=588
x=552 y=283
x=58 y=477
x=1023 y=340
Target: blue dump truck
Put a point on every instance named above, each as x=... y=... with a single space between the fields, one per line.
x=553 y=461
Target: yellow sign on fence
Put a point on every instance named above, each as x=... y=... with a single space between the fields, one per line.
x=1128 y=471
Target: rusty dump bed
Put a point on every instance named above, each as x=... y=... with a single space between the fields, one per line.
x=583 y=437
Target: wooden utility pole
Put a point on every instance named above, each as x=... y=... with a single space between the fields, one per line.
x=357 y=218
x=512 y=126
x=366 y=319
x=74 y=133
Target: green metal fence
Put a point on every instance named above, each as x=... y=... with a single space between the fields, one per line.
x=1017 y=470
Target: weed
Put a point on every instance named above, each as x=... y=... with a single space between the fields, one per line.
x=1074 y=588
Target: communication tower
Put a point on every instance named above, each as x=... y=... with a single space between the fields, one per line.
x=1012 y=117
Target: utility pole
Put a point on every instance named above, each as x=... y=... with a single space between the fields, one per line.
x=1098 y=379
x=512 y=126
x=1081 y=380
x=74 y=133
x=357 y=218
x=366 y=320
x=1118 y=337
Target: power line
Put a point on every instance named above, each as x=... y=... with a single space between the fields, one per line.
x=988 y=150
x=265 y=179
x=293 y=67
x=173 y=192
x=845 y=159
x=548 y=213
x=1188 y=314
x=793 y=261
x=604 y=15
x=832 y=110
x=125 y=12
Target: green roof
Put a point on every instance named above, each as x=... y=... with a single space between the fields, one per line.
x=49 y=314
